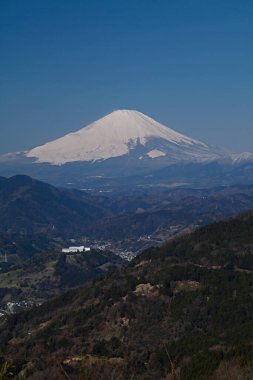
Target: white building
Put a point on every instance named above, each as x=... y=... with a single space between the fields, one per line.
x=81 y=248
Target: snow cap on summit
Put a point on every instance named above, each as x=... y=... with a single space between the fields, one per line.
x=111 y=136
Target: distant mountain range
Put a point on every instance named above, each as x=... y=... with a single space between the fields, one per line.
x=128 y=147
x=35 y=214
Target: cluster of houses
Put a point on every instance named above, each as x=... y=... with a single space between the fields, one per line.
x=16 y=307
x=79 y=249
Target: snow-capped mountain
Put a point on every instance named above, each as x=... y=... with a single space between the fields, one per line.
x=128 y=149
x=121 y=133
x=242 y=158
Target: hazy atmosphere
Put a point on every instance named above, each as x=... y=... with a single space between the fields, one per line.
x=64 y=64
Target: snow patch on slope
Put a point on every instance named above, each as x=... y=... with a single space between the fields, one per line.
x=242 y=157
x=156 y=153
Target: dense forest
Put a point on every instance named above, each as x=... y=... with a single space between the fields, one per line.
x=181 y=311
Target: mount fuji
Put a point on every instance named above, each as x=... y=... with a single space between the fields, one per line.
x=124 y=133
x=129 y=148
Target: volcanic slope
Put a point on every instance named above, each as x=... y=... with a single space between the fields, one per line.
x=124 y=132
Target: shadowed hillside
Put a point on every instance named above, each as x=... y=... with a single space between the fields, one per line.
x=31 y=206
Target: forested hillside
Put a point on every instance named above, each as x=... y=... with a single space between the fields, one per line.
x=184 y=310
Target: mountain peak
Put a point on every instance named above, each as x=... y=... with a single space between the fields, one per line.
x=117 y=134
x=124 y=111
x=122 y=115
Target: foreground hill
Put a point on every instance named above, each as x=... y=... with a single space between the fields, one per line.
x=184 y=310
x=43 y=276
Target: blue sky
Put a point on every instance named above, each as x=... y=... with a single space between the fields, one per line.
x=65 y=63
